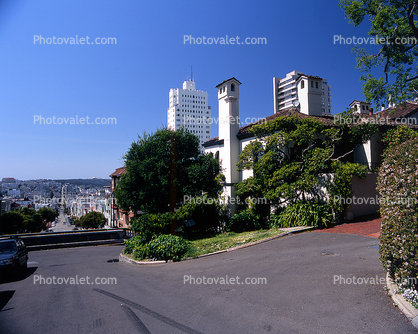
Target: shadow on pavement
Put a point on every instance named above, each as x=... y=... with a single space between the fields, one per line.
x=5 y=296
x=15 y=277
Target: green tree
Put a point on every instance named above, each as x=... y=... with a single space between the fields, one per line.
x=394 y=27
x=12 y=222
x=48 y=214
x=291 y=156
x=162 y=168
x=93 y=219
x=32 y=220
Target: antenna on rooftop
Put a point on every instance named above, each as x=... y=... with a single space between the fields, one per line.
x=191 y=72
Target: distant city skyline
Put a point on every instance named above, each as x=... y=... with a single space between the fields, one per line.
x=81 y=80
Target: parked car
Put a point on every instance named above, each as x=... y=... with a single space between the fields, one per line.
x=13 y=256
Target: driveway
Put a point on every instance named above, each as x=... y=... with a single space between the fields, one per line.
x=370 y=228
x=299 y=290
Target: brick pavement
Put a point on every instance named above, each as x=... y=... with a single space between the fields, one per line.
x=369 y=228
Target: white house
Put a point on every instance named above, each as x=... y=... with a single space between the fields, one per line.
x=232 y=139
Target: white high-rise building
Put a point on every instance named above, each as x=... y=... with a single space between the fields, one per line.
x=189 y=108
x=311 y=94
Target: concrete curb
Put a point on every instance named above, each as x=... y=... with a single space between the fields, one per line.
x=406 y=307
x=124 y=258
x=289 y=230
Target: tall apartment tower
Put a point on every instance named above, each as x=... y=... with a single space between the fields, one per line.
x=310 y=93
x=189 y=108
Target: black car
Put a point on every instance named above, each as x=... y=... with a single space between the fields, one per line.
x=13 y=256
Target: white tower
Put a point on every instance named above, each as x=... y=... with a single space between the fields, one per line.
x=228 y=102
x=189 y=108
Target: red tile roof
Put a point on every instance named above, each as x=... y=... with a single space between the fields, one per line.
x=394 y=116
x=327 y=120
x=118 y=172
x=245 y=130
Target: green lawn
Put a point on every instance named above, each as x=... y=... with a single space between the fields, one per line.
x=228 y=240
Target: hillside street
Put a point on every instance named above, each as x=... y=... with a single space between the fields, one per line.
x=298 y=294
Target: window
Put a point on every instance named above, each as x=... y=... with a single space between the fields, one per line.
x=311 y=84
x=302 y=84
x=316 y=84
x=232 y=87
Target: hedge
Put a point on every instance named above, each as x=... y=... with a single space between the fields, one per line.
x=398 y=187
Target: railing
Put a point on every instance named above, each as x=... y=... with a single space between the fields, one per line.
x=129 y=233
x=38 y=241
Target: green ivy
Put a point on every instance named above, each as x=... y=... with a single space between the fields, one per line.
x=340 y=186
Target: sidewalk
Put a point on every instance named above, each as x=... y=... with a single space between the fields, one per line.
x=371 y=228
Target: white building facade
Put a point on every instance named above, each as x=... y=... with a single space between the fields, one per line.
x=189 y=108
x=310 y=93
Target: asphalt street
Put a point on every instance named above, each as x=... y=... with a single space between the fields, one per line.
x=62 y=223
x=299 y=290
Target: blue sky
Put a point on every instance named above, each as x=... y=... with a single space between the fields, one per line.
x=130 y=80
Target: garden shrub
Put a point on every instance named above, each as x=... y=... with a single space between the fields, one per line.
x=132 y=243
x=151 y=224
x=167 y=246
x=206 y=213
x=246 y=220
x=398 y=187
x=141 y=252
x=303 y=213
x=161 y=247
x=398 y=135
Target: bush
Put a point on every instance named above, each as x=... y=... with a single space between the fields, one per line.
x=132 y=243
x=397 y=136
x=246 y=220
x=167 y=246
x=141 y=252
x=303 y=213
x=398 y=187
x=162 y=247
x=152 y=224
x=206 y=213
